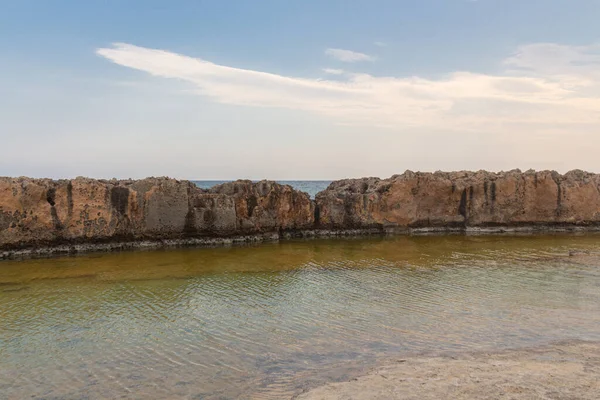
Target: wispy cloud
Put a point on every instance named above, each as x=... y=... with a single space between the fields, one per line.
x=544 y=87
x=348 y=55
x=380 y=44
x=557 y=60
x=333 y=71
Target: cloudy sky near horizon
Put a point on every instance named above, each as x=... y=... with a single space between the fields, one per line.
x=297 y=89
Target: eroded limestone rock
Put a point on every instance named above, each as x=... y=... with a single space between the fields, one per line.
x=44 y=212
x=462 y=200
x=36 y=212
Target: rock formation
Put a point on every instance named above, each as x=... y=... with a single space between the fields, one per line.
x=462 y=200
x=41 y=212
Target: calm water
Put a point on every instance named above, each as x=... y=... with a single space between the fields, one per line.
x=266 y=321
x=310 y=187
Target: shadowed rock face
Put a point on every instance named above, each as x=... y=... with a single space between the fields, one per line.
x=37 y=212
x=41 y=212
x=461 y=200
x=267 y=206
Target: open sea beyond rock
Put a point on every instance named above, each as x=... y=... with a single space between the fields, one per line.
x=310 y=187
x=268 y=321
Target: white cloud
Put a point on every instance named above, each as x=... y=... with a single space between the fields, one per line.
x=348 y=55
x=554 y=60
x=333 y=71
x=546 y=88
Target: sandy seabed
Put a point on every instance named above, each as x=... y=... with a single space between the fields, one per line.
x=565 y=370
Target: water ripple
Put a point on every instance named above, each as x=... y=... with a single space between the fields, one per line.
x=264 y=322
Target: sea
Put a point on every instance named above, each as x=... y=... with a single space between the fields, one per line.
x=268 y=321
x=310 y=187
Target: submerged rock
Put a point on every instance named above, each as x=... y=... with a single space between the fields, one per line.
x=563 y=370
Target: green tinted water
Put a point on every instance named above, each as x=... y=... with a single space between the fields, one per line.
x=266 y=321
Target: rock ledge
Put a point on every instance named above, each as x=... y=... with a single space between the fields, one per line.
x=41 y=216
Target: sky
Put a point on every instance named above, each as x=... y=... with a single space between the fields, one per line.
x=297 y=89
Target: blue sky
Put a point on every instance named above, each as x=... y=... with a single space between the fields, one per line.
x=297 y=89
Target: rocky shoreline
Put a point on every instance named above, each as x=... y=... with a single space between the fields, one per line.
x=90 y=247
x=43 y=216
x=563 y=370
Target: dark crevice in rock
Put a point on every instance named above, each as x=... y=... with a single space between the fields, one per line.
x=119 y=199
x=317 y=215
x=251 y=204
x=462 y=207
x=558 y=200
x=51 y=196
x=559 y=193
x=189 y=226
x=55 y=220
x=70 y=199
x=51 y=199
x=364 y=187
x=485 y=191
x=348 y=213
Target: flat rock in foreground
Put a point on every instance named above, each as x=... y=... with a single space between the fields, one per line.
x=562 y=371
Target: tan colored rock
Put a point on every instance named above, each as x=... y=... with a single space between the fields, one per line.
x=40 y=212
x=267 y=206
x=462 y=200
x=44 y=212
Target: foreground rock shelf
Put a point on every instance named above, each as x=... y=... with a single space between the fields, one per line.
x=568 y=370
x=45 y=216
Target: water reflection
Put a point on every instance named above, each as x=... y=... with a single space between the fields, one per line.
x=261 y=322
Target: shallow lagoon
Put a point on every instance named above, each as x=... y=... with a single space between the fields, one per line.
x=266 y=321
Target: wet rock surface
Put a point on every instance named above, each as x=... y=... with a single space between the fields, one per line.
x=558 y=371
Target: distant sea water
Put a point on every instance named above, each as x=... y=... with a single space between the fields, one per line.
x=310 y=187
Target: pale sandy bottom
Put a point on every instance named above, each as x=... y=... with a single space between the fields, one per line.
x=568 y=370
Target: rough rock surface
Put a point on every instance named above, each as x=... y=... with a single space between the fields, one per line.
x=462 y=200
x=42 y=212
x=264 y=206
